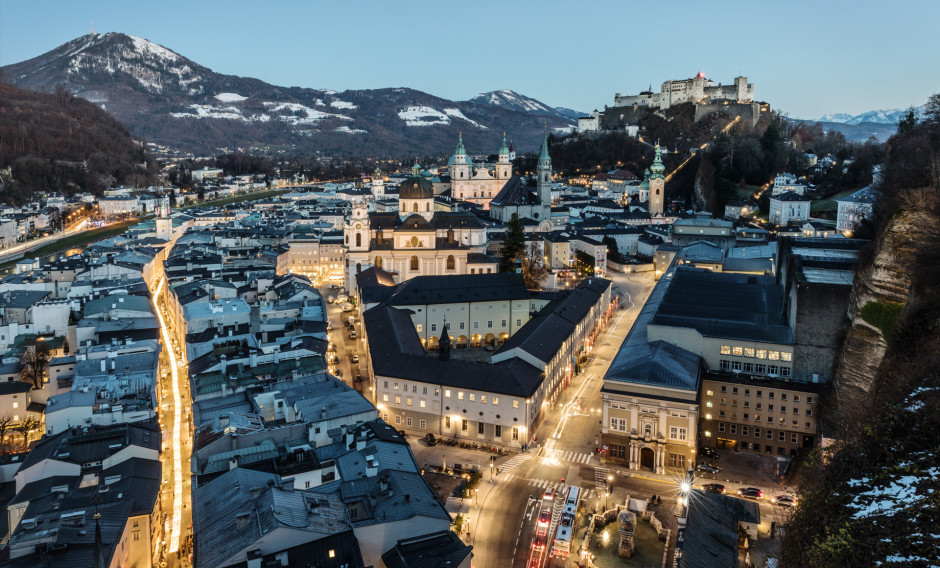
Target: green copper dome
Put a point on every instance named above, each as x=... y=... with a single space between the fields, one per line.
x=416 y=187
x=504 y=149
x=658 y=170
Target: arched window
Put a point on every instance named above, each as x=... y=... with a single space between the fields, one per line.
x=358 y=239
x=657 y=192
x=545 y=177
x=347 y=239
x=378 y=262
x=414 y=208
x=461 y=174
x=427 y=206
x=358 y=267
x=414 y=263
x=451 y=264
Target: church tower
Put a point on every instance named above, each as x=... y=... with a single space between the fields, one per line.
x=378 y=185
x=503 y=165
x=164 y=220
x=544 y=179
x=657 y=184
x=460 y=170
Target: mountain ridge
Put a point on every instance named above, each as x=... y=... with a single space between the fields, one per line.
x=167 y=98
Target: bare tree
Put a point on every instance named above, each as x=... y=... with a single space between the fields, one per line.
x=534 y=270
x=25 y=427
x=5 y=422
x=35 y=362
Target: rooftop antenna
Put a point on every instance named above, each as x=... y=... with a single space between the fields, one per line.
x=92 y=27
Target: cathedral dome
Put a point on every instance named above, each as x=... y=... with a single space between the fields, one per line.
x=416 y=187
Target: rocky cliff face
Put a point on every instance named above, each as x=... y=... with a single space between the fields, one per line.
x=887 y=279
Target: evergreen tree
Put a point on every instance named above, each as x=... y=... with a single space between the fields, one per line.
x=908 y=122
x=513 y=246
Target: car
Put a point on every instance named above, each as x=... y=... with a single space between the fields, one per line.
x=335 y=360
x=707 y=452
x=355 y=358
x=544 y=517
x=338 y=373
x=330 y=299
x=352 y=335
x=714 y=488
x=751 y=493
x=430 y=439
x=707 y=467
x=539 y=543
x=358 y=379
x=784 y=500
x=549 y=494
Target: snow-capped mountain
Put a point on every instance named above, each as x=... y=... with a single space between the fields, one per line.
x=164 y=97
x=884 y=116
x=506 y=98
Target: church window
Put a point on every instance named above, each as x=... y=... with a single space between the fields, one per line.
x=427 y=206
x=347 y=239
x=451 y=264
x=414 y=207
x=378 y=262
x=461 y=174
x=657 y=192
x=414 y=263
x=358 y=239
x=358 y=267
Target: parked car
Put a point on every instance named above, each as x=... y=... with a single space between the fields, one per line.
x=549 y=494
x=751 y=493
x=430 y=439
x=707 y=467
x=714 y=488
x=784 y=500
x=330 y=299
x=707 y=452
x=355 y=358
x=352 y=335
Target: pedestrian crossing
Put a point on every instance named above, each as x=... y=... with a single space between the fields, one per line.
x=559 y=486
x=600 y=478
x=550 y=456
x=507 y=466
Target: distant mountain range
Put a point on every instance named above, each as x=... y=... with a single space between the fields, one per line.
x=166 y=98
x=881 y=124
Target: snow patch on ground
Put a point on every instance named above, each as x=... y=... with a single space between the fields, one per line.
x=899 y=493
x=423 y=116
x=564 y=129
x=209 y=111
x=149 y=48
x=342 y=104
x=349 y=130
x=301 y=114
x=455 y=113
x=230 y=97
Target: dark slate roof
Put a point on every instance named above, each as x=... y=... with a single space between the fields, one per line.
x=711 y=536
x=14 y=387
x=468 y=288
x=396 y=351
x=732 y=306
x=373 y=276
x=415 y=222
x=96 y=444
x=790 y=196
x=437 y=550
x=21 y=299
x=515 y=192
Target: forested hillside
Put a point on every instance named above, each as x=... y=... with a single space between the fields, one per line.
x=57 y=142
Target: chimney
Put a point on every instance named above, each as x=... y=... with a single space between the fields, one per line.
x=223 y=362
x=372 y=467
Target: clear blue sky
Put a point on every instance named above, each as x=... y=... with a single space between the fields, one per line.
x=805 y=58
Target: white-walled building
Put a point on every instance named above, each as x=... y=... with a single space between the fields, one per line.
x=855 y=208
x=788 y=208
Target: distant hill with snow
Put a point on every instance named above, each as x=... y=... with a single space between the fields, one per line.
x=166 y=98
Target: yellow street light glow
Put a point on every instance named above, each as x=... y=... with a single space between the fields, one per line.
x=685 y=487
x=175 y=525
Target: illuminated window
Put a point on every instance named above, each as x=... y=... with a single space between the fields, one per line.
x=748 y=352
x=460 y=395
x=447 y=393
x=737 y=351
x=515 y=404
x=761 y=354
x=773 y=355
x=786 y=356
x=726 y=350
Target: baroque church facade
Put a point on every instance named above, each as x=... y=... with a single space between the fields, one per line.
x=415 y=240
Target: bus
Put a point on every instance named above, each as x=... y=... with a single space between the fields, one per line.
x=566 y=525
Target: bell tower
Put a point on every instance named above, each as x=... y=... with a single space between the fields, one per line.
x=164 y=220
x=657 y=184
x=460 y=170
x=378 y=184
x=544 y=179
x=503 y=165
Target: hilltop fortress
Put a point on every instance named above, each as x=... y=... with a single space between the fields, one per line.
x=707 y=96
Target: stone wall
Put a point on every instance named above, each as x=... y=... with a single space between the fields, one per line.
x=749 y=112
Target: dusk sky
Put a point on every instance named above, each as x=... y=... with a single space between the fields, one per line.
x=805 y=58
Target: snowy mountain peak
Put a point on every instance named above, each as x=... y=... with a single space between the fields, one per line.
x=510 y=99
x=884 y=116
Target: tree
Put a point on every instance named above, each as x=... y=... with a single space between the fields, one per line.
x=534 y=270
x=513 y=246
x=25 y=427
x=5 y=422
x=172 y=198
x=34 y=365
x=932 y=110
x=613 y=252
x=584 y=263
x=908 y=122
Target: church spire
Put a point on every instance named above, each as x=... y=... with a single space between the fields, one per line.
x=416 y=169
x=444 y=344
